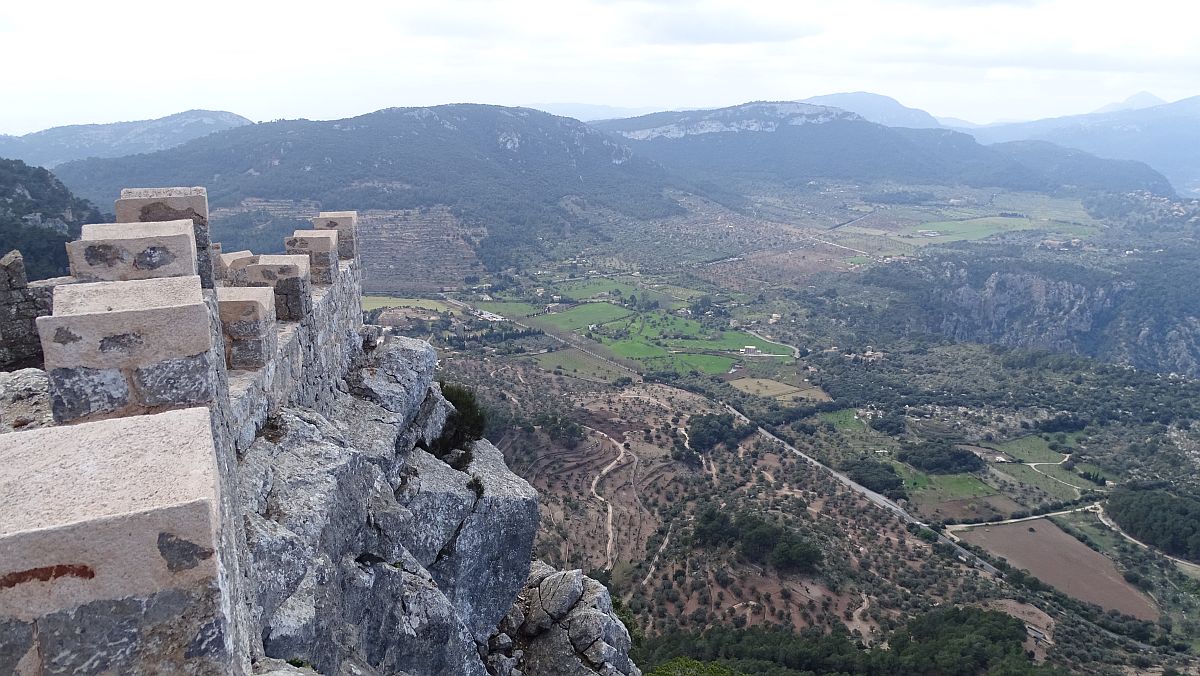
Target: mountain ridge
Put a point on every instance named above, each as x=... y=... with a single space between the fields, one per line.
x=1162 y=136
x=56 y=145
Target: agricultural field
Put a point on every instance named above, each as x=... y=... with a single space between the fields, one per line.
x=1030 y=448
x=845 y=420
x=376 y=302
x=582 y=316
x=1031 y=477
x=780 y=391
x=508 y=309
x=578 y=364
x=705 y=363
x=1056 y=558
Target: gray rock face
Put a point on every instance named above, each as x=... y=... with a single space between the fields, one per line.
x=397 y=377
x=369 y=555
x=562 y=623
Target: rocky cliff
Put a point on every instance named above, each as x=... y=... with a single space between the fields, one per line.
x=1132 y=311
x=369 y=555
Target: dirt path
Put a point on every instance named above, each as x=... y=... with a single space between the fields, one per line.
x=966 y=526
x=1078 y=489
x=654 y=561
x=608 y=556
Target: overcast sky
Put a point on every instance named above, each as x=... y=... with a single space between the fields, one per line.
x=77 y=62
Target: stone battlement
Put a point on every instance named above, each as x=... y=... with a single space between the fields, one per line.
x=164 y=359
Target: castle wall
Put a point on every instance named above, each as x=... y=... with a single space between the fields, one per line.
x=158 y=378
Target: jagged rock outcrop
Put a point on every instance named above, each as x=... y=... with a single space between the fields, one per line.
x=562 y=623
x=369 y=553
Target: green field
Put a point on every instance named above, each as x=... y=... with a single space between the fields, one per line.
x=844 y=420
x=731 y=341
x=582 y=316
x=376 y=302
x=979 y=228
x=510 y=310
x=705 y=363
x=635 y=349
x=590 y=288
x=1029 y=449
x=1030 y=477
x=930 y=489
x=578 y=364
x=1072 y=476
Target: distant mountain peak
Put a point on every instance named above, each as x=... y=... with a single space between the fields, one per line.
x=878 y=108
x=1136 y=102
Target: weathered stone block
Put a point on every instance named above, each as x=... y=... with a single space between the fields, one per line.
x=225 y=265
x=289 y=275
x=124 y=251
x=248 y=322
x=293 y=299
x=246 y=312
x=141 y=205
x=346 y=225
x=12 y=271
x=322 y=249
x=108 y=542
x=155 y=335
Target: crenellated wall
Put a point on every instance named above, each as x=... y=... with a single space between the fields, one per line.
x=124 y=517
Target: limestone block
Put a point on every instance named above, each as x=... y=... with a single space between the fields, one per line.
x=289 y=275
x=346 y=224
x=225 y=263
x=124 y=251
x=140 y=205
x=118 y=348
x=108 y=542
x=248 y=322
x=322 y=249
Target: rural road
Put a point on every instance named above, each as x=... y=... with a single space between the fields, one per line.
x=795 y=350
x=872 y=496
x=1095 y=506
x=1111 y=524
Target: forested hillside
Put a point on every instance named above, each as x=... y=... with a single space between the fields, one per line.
x=791 y=143
x=514 y=171
x=37 y=216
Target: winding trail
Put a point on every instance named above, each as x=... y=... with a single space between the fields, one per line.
x=1078 y=489
x=654 y=561
x=608 y=556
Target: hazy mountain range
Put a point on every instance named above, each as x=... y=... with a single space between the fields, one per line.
x=51 y=147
